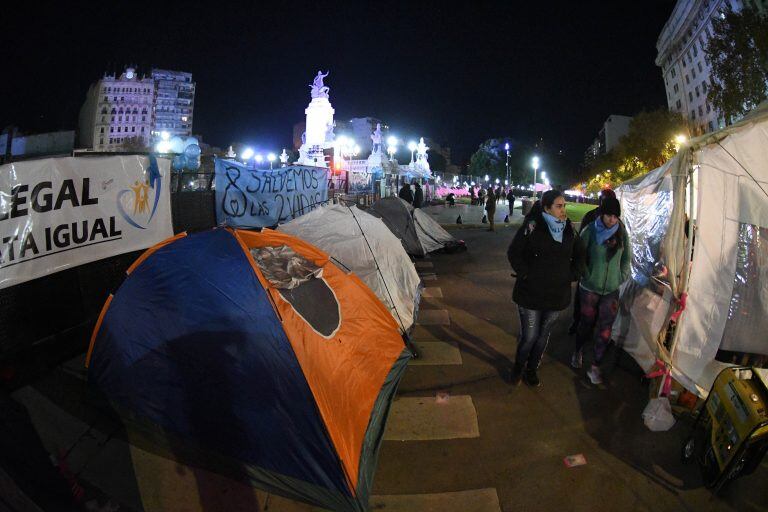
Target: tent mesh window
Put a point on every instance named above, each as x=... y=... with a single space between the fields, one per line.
x=300 y=283
x=748 y=311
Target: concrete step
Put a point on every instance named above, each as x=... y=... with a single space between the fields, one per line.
x=432 y=418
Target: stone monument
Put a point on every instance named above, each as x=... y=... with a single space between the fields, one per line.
x=376 y=159
x=319 y=126
x=421 y=164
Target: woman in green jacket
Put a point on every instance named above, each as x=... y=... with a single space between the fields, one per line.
x=608 y=265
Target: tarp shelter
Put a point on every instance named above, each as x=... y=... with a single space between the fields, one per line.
x=418 y=233
x=292 y=385
x=361 y=243
x=700 y=286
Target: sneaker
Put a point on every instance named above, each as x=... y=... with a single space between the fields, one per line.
x=576 y=359
x=531 y=378
x=515 y=375
x=594 y=375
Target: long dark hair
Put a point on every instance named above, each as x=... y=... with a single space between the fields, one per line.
x=546 y=201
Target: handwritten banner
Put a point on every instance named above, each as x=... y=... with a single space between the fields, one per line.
x=249 y=198
x=57 y=213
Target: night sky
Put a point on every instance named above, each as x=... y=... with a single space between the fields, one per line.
x=459 y=72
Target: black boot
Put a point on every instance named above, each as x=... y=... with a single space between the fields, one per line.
x=484 y=220
x=515 y=375
x=531 y=378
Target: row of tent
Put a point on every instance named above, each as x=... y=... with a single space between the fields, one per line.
x=271 y=356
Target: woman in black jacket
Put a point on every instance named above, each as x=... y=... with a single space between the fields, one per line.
x=547 y=257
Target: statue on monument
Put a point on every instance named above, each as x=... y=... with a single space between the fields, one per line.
x=318 y=89
x=376 y=139
x=421 y=149
x=284 y=158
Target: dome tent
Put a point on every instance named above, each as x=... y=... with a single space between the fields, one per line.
x=200 y=342
x=363 y=244
x=418 y=233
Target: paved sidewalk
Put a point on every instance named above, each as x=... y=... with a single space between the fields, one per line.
x=459 y=438
x=471 y=216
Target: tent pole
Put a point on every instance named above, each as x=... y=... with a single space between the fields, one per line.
x=406 y=338
x=685 y=274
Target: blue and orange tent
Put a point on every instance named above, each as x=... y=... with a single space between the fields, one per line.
x=291 y=386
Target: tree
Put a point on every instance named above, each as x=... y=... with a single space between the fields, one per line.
x=490 y=159
x=436 y=161
x=738 y=55
x=650 y=141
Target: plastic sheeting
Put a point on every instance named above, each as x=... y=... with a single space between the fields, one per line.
x=747 y=325
x=730 y=189
x=646 y=205
x=283 y=267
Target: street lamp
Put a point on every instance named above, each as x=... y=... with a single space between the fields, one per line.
x=680 y=139
x=412 y=146
x=506 y=148
x=247 y=154
x=391 y=147
x=259 y=158
x=271 y=157
x=535 y=164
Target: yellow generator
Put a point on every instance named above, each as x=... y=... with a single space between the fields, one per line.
x=730 y=435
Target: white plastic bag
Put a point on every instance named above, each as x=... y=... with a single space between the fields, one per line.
x=658 y=414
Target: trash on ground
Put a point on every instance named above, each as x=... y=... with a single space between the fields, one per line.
x=575 y=460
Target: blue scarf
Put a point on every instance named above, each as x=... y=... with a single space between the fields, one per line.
x=603 y=233
x=555 y=225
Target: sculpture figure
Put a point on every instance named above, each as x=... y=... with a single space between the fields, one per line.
x=421 y=149
x=376 y=139
x=318 y=89
x=283 y=158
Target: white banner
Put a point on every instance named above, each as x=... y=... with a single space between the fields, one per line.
x=57 y=213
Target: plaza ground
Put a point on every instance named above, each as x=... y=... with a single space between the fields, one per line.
x=459 y=438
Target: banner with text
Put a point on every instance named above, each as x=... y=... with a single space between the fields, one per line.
x=250 y=198
x=57 y=213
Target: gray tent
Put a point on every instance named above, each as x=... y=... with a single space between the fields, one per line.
x=397 y=215
x=418 y=233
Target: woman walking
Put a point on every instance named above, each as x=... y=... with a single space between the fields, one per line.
x=547 y=257
x=490 y=208
x=608 y=266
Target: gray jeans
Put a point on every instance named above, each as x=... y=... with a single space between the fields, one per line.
x=535 y=327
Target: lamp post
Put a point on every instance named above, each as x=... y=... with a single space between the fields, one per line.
x=246 y=155
x=535 y=164
x=412 y=146
x=259 y=158
x=506 y=148
x=391 y=147
x=271 y=157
